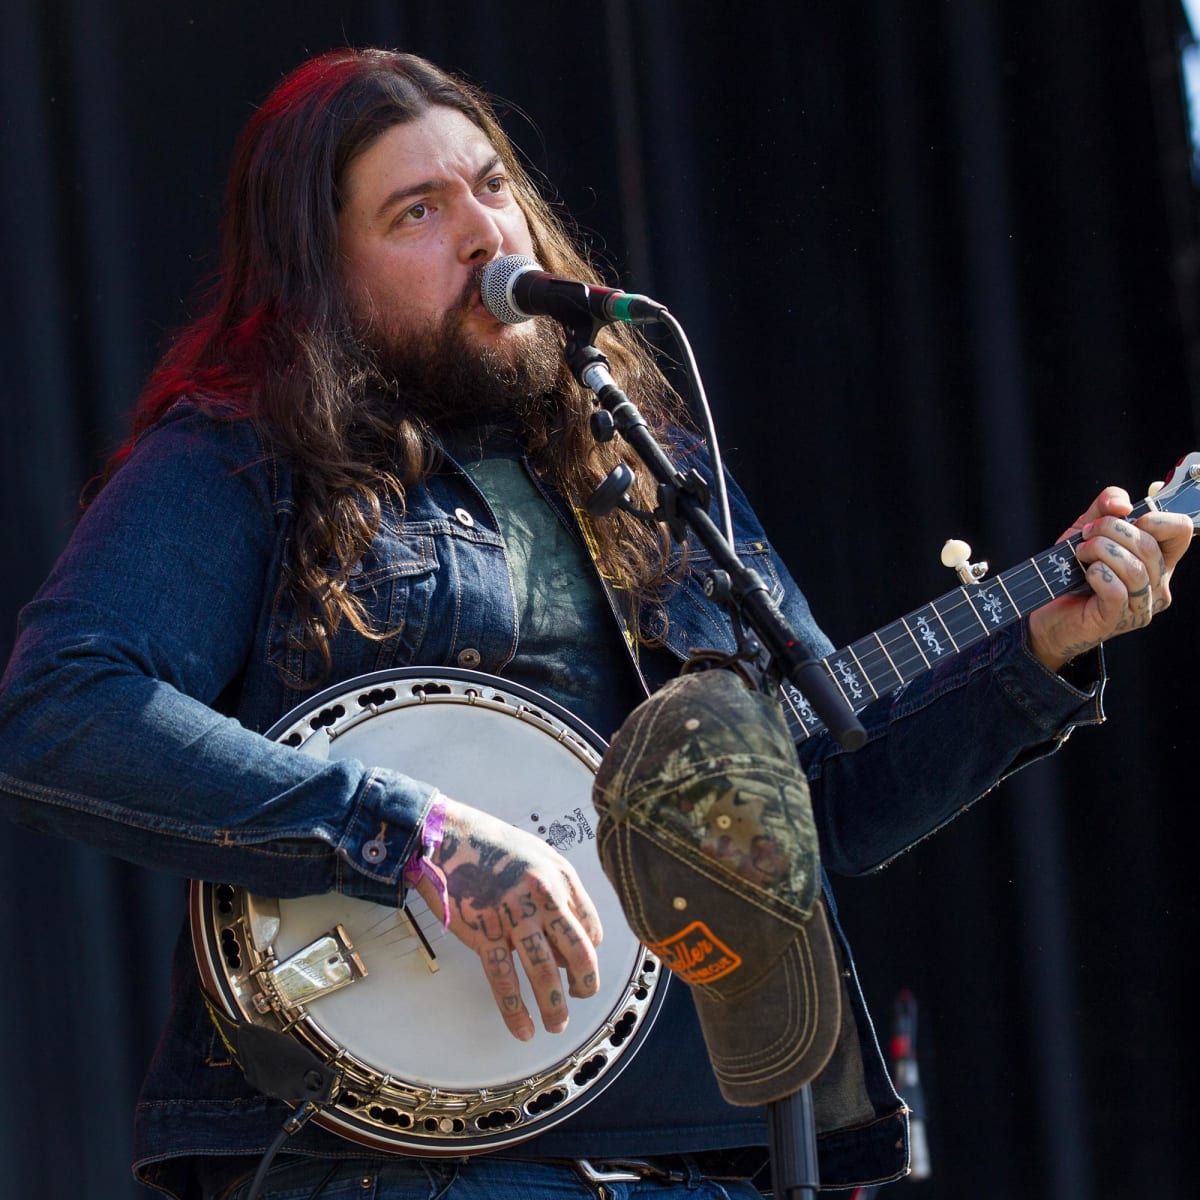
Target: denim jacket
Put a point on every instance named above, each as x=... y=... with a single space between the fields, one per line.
x=158 y=650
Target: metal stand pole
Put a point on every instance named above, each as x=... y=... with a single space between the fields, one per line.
x=793 y=1131
x=683 y=508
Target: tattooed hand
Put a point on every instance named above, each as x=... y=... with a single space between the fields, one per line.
x=514 y=897
x=1128 y=567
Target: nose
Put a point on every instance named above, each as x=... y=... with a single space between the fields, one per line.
x=481 y=236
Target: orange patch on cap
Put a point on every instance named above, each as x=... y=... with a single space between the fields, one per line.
x=697 y=955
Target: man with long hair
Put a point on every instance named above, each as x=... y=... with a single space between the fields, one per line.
x=345 y=464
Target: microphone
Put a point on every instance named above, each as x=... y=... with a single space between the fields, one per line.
x=515 y=288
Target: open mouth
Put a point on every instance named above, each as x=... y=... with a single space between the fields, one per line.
x=479 y=309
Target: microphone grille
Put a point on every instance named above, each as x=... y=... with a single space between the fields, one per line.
x=495 y=286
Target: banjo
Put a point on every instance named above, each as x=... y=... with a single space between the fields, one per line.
x=387 y=996
x=393 y=1003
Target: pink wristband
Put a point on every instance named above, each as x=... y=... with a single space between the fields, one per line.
x=419 y=865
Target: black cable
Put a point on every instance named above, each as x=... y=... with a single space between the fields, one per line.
x=291 y=1125
x=265 y=1164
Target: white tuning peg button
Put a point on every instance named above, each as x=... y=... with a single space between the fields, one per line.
x=956 y=555
x=1154 y=488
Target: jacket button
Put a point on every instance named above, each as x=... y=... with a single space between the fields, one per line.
x=464 y=518
x=374 y=851
x=469 y=657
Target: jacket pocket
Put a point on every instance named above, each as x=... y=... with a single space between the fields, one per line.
x=394 y=582
x=687 y=619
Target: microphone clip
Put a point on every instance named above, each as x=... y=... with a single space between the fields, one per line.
x=580 y=349
x=690 y=484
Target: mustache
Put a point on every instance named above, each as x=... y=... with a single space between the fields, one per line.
x=471 y=290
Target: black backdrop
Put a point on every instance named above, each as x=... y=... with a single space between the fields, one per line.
x=925 y=253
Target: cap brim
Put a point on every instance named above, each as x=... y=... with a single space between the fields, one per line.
x=775 y=1037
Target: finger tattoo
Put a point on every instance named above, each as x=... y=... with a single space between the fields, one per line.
x=511 y=1003
x=1105 y=573
x=561 y=926
x=499 y=963
x=555 y=998
x=535 y=947
x=1139 y=593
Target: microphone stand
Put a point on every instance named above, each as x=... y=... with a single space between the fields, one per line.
x=683 y=507
x=792 y=1129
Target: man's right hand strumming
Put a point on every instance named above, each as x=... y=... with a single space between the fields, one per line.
x=512 y=895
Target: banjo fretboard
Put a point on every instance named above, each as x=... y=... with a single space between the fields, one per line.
x=898 y=653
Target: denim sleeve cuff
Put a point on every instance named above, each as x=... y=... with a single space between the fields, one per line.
x=1054 y=703
x=383 y=833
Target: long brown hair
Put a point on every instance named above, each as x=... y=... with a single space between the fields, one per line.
x=276 y=341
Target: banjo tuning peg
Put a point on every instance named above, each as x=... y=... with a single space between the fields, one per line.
x=956 y=555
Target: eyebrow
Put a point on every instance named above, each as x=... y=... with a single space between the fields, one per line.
x=434 y=185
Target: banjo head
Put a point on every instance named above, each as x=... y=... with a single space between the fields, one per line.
x=388 y=996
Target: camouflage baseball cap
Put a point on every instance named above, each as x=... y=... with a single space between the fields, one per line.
x=706 y=832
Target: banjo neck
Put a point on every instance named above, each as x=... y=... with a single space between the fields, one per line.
x=907 y=648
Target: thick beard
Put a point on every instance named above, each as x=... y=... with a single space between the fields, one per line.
x=447 y=381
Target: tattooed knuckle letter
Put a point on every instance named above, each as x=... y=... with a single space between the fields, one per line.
x=564 y=930
x=535 y=947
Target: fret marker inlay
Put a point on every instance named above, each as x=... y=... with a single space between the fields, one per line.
x=931 y=639
x=847 y=674
x=1063 y=566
